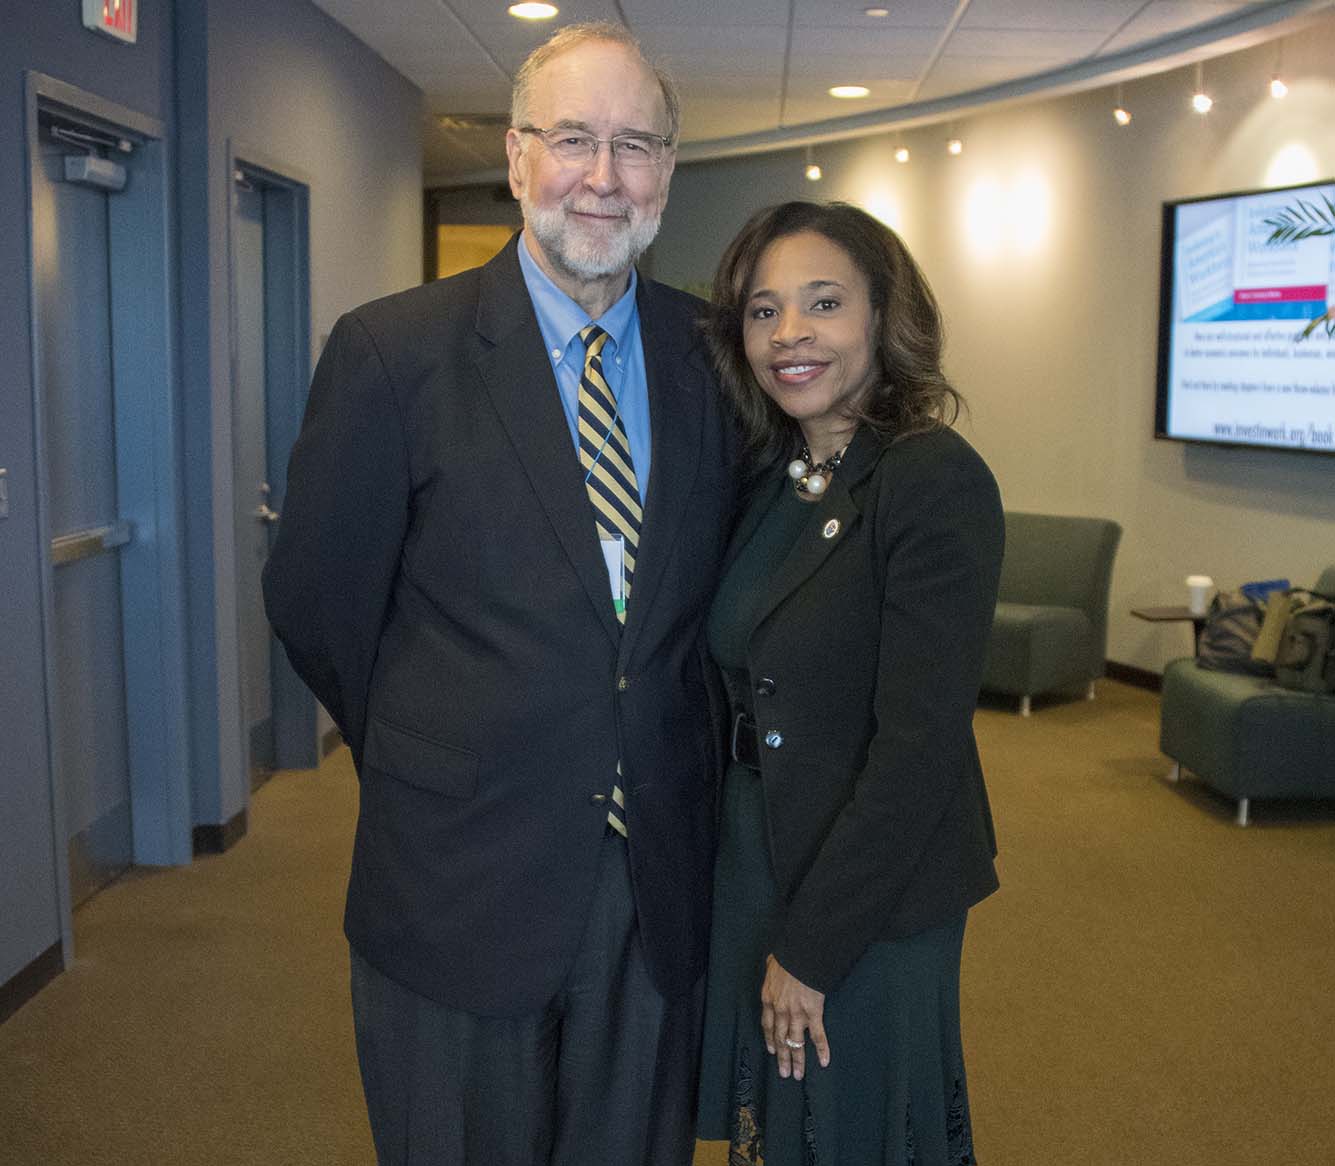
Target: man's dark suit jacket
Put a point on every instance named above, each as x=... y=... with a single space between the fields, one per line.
x=438 y=583
x=865 y=657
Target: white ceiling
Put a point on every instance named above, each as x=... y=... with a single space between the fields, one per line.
x=762 y=67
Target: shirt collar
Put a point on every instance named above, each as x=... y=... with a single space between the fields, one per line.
x=560 y=319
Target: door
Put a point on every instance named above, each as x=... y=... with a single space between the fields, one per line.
x=72 y=266
x=254 y=516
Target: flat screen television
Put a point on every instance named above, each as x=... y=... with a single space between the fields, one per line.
x=1232 y=305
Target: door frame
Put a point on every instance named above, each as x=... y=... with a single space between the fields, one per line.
x=148 y=458
x=287 y=301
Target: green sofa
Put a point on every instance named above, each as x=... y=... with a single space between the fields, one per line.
x=1247 y=736
x=1051 y=625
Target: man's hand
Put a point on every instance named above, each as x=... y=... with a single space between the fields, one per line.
x=789 y=1010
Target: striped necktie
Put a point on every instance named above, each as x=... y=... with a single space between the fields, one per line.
x=609 y=477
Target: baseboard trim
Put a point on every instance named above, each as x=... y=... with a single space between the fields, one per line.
x=28 y=981
x=331 y=740
x=220 y=838
x=1130 y=674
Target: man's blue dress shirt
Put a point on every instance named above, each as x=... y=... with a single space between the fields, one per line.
x=560 y=320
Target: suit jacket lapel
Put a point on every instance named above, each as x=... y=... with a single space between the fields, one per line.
x=516 y=370
x=675 y=418
x=828 y=525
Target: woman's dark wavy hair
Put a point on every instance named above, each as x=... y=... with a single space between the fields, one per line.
x=911 y=394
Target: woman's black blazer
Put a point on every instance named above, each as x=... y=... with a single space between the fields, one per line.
x=864 y=664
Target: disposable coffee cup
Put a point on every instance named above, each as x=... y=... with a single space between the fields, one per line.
x=1198 y=593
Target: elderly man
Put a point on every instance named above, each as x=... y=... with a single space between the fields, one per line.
x=504 y=518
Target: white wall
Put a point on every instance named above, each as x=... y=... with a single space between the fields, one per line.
x=1042 y=243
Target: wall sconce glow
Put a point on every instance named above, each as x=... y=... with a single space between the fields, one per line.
x=849 y=92
x=813 y=172
x=533 y=11
x=955 y=147
x=983 y=219
x=1202 y=103
x=1293 y=164
x=1278 y=90
x=881 y=206
x=1029 y=211
x=902 y=154
x=876 y=10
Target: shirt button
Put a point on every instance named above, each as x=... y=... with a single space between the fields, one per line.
x=622 y=683
x=618 y=362
x=556 y=354
x=774 y=739
x=764 y=686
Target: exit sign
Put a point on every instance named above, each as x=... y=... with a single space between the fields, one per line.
x=115 y=18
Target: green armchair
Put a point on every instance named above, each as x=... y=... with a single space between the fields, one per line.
x=1051 y=625
x=1247 y=736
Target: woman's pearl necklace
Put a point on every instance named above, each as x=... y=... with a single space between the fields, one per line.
x=812 y=479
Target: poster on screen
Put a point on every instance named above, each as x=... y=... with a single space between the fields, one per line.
x=1233 y=368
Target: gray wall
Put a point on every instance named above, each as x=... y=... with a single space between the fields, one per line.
x=285 y=80
x=47 y=39
x=1052 y=314
x=287 y=86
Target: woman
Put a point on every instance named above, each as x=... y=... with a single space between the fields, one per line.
x=850 y=627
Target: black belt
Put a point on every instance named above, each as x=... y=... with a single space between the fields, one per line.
x=745 y=747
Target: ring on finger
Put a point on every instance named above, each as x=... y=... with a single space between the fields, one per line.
x=792 y=1044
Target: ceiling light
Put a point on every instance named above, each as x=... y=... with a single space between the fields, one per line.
x=876 y=10
x=849 y=92
x=1121 y=115
x=813 y=172
x=902 y=154
x=1277 y=87
x=954 y=146
x=1200 y=100
x=533 y=11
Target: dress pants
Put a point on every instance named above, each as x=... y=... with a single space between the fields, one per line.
x=605 y=1075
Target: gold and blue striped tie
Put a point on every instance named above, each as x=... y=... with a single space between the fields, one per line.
x=609 y=476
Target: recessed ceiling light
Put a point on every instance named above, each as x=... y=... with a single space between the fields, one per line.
x=954 y=146
x=533 y=11
x=902 y=154
x=1202 y=102
x=1122 y=115
x=876 y=10
x=1277 y=87
x=813 y=172
x=849 y=91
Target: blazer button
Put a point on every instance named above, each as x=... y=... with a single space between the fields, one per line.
x=622 y=684
x=764 y=686
x=597 y=799
x=774 y=739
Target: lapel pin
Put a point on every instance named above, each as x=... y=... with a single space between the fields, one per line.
x=831 y=528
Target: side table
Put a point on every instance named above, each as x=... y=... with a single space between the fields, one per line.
x=1180 y=613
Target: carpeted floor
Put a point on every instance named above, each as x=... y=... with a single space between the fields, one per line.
x=1152 y=986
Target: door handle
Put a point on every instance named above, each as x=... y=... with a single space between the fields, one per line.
x=84 y=544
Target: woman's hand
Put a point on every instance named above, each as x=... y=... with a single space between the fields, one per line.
x=789 y=1010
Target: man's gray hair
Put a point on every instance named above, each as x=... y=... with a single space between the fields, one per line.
x=572 y=36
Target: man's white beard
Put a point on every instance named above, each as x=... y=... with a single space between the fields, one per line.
x=588 y=253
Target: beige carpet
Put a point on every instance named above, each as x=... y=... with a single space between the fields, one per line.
x=1152 y=985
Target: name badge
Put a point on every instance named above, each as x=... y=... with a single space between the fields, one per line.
x=615 y=560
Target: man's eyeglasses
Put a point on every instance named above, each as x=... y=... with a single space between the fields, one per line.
x=579 y=147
